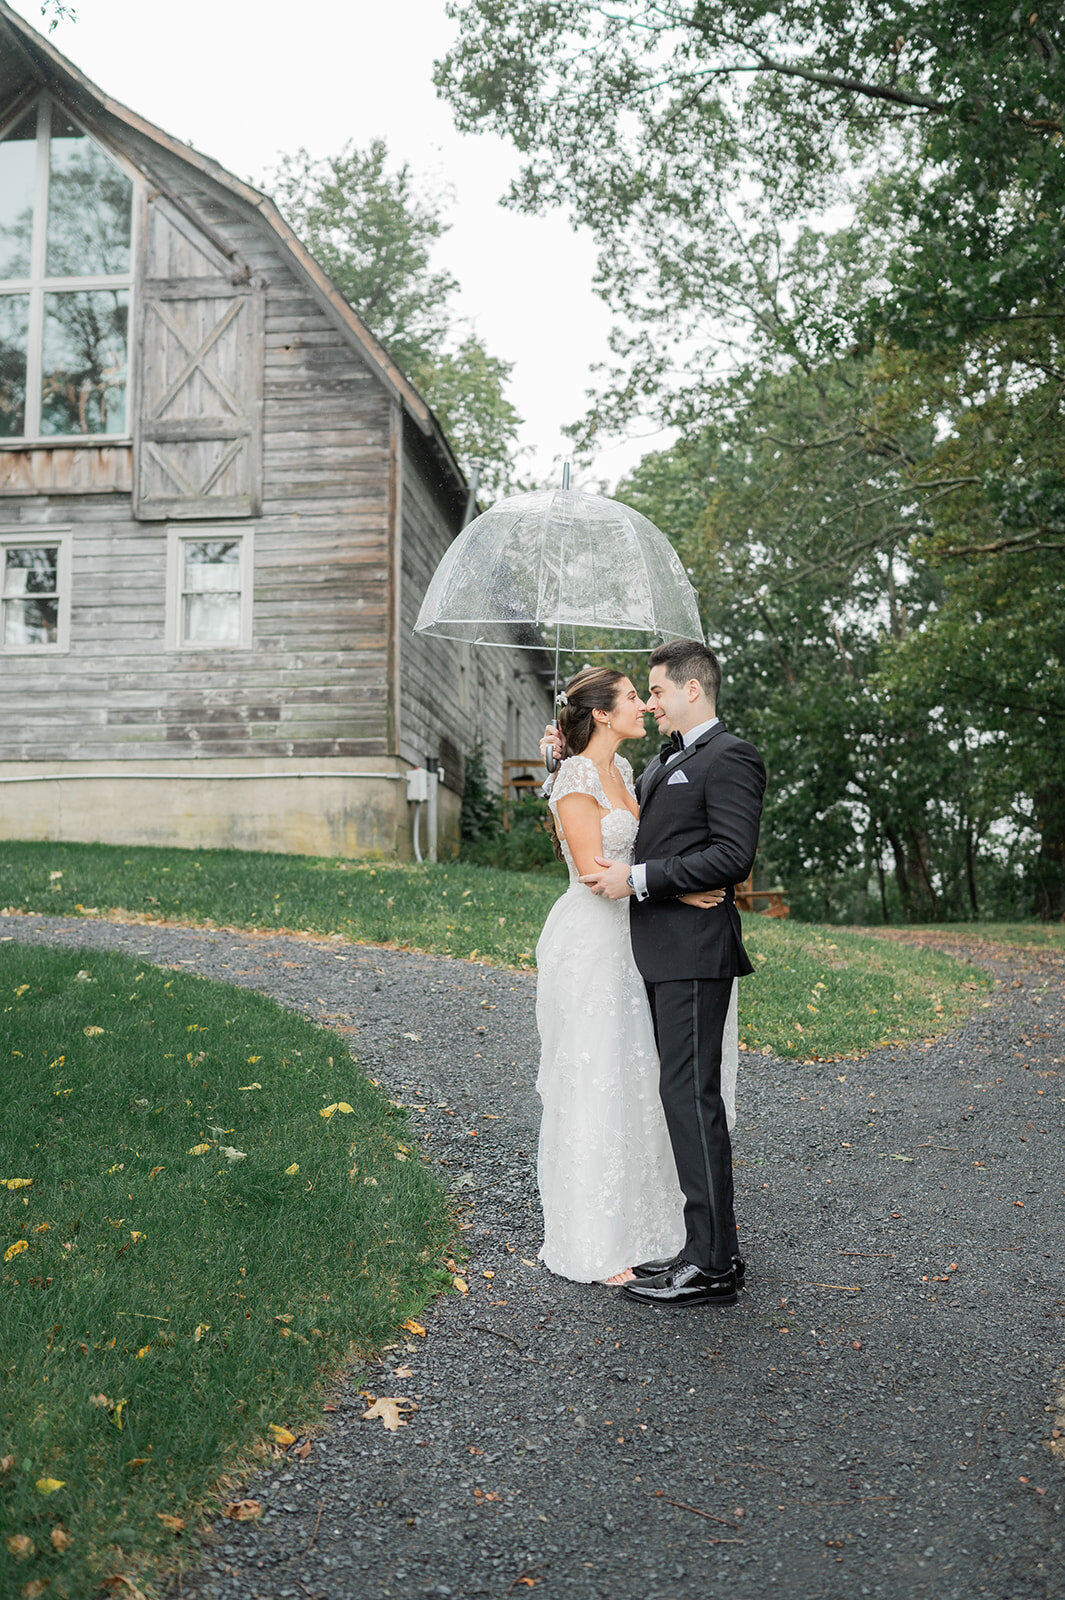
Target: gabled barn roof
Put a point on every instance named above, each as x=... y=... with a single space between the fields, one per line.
x=24 y=53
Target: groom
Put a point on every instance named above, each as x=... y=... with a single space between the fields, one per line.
x=700 y=805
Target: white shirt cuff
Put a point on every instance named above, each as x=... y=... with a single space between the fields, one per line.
x=639 y=879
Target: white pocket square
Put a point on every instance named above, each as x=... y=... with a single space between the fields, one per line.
x=676 y=777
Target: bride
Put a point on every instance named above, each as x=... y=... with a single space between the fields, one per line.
x=607 y=1177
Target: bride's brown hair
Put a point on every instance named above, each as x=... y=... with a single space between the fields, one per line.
x=593 y=689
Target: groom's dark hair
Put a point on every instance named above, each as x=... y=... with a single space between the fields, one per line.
x=684 y=659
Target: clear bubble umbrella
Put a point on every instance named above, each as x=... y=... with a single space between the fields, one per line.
x=560 y=569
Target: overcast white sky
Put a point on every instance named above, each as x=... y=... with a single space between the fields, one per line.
x=243 y=80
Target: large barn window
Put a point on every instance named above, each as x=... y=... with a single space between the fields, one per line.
x=34 y=591
x=210 y=575
x=66 y=215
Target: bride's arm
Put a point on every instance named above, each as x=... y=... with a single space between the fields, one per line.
x=580 y=819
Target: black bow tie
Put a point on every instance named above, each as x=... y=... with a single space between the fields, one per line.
x=673 y=744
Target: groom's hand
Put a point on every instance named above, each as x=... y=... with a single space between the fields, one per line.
x=612 y=881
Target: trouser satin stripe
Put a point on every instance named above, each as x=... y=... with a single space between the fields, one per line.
x=708 y=1176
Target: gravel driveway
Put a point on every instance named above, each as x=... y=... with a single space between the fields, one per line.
x=871 y=1419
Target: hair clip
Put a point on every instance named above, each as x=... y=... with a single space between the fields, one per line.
x=562 y=698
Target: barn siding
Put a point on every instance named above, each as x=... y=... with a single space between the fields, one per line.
x=433 y=721
x=314 y=682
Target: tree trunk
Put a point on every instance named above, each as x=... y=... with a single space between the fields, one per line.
x=1050 y=862
x=970 y=867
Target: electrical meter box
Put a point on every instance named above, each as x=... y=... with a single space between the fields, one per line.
x=417 y=784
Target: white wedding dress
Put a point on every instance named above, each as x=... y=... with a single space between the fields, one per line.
x=608 y=1181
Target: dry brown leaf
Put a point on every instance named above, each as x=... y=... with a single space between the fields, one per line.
x=303 y=1450
x=175 y=1524
x=243 y=1510
x=61 y=1539
x=6 y=1463
x=403 y=1372
x=387 y=1407
x=20 y=1546
x=35 y=1588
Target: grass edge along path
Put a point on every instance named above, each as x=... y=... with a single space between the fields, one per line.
x=822 y=992
x=209 y=1213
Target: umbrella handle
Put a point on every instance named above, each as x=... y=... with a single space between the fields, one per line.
x=551 y=761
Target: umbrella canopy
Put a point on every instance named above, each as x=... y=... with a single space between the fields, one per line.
x=560 y=568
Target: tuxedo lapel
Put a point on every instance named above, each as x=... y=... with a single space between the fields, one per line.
x=657 y=773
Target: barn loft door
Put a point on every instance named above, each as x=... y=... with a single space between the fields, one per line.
x=199 y=425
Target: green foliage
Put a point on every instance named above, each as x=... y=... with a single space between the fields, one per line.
x=173 y=1300
x=479 y=817
x=525 y=844
x=374 y=229
x=466 y=387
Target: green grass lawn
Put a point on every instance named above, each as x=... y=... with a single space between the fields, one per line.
x=1028 y=935
x=190 y=1247
x=818 y=992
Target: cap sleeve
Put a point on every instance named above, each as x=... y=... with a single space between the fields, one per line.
x=576 y=775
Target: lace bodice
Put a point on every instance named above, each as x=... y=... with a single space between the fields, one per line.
x=577 y=775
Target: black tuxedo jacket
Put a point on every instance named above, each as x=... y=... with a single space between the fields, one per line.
x=698 y=832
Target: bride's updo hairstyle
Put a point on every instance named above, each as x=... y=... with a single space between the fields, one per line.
x=594 y=689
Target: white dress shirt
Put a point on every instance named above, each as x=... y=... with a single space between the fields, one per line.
x=639 y=868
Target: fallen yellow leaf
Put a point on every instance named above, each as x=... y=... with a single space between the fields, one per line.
x=253 y=1059
x=116 y=1415
x=290 y=1172
x=143 y=1351
x=199 y=1149
x=16 y=1249
x=201 y=1329
x=49 y=1485
x=243 y=1086
x=388 y=1408
x=91 y=1032
x=327 y=1111
x=135 y=1236
x=244 y=1510
x=138 y=1461
x=342 y=1105
x=21 y=990
x=282 y=1435
x=461 y=1285
x=414 y=1327
x=16 y=1183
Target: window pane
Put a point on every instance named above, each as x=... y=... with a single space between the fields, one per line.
x=31 y=621
x=212 y=566
x=18 y=157
x=31 y=569
x=90 y=204
x=84 y=379
x=14 y=324
x=212 y=619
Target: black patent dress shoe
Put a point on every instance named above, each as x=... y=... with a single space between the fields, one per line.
x=654 y=1269
x=684 y=1284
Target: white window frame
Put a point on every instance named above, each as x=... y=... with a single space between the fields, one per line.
x=200 y=533
x=29 y=538
x=38 y=285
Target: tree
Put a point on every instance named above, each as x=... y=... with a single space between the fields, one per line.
x=706 y=114
x=374 y=230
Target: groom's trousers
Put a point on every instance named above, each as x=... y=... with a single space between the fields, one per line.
x=689 y=1022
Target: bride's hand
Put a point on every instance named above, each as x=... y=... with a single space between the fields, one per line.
x=704 y=899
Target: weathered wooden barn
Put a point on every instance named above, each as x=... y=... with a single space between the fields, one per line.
x=220 y=505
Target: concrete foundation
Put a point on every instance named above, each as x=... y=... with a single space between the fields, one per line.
x=325 y=807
